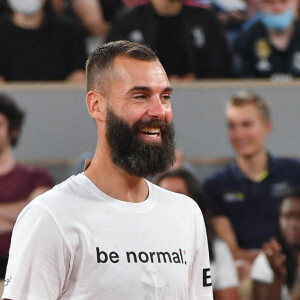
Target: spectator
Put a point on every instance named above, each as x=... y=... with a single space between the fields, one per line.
x=88 y=14
x=37 y=45
x=244 y=195
x=224 y=276
x=275 y=269
x=19 y=184
x=232 y=14
x=271 y=47
x=94 y=15
x=189 y=40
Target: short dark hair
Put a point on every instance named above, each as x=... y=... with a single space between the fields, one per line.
x=101 y=60
x=242 y=98
x=14 y=115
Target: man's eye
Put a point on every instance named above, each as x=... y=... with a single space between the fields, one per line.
x=166 y=97
x=139 y=96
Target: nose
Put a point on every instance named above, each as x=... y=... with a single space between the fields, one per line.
x=156 y=108
x=278 y=7
x=295 y=222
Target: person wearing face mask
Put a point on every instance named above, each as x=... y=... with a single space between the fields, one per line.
x=271 y=47
x=38 y=45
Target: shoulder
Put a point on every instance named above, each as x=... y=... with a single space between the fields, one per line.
x=254 y=32
x=36 y=174
x=63 y=24
x=179 y=202
x=284 y=162
x=202 y=16
x=288 y=168
x=6 y=26
x=198 y=11
x=5 y=21
x=61 y=195
x=220 y=176
x=133 y=12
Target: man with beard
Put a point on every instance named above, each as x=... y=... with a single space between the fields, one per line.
x=108 y=233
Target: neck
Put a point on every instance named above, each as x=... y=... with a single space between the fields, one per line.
x=167 y=8
x=281 y=39
x=113 y=180
x=254 y=165
x=28 y=22
x=7 y=161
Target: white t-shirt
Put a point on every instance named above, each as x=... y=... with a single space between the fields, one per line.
x=262 y=271
x=75 y=242
x=223 y=270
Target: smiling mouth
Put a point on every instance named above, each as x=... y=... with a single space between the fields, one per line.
x=151 y=132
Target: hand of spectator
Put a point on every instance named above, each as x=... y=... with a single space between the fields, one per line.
x=272 y=250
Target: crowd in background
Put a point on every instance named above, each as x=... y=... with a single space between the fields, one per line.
x=50 y=39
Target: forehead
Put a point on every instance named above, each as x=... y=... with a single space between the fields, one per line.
x=3 y=118
x=134 y=72
x=290 y=205
x=174 y=182
x=242 y=111
x=273 y=2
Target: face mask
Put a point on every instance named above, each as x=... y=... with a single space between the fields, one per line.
x=277 y=22
x=25 y=7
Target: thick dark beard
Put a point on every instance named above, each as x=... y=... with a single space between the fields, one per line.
x=136 y=157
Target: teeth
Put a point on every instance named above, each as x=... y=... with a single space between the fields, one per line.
x=151 y=130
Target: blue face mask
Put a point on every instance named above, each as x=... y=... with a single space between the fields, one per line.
x=277 y=22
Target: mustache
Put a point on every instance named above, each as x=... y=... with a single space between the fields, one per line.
x=161 y=124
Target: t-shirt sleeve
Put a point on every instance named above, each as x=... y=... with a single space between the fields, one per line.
x=39 y=259
x=224 y=274
x=200 y=286
x=261 y=269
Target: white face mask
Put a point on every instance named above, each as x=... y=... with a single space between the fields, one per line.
x=25 y=7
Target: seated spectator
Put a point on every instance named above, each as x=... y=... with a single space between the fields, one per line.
x=189 y=40
x=244 y=195
x=94 y=16
x=223 y=272
x=37 y=45
x=19 y=184
x=232 y=15
x=275 y=269
x=271 y=47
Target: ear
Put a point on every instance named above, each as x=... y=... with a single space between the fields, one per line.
x=96 y=105
x=269 y=126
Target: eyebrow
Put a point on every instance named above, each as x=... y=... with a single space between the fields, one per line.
x=147 y=89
